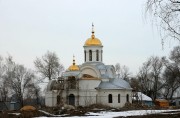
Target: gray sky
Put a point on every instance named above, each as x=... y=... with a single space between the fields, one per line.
x=28 y=28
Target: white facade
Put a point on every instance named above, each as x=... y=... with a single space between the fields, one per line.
x=51 y=98
x=93 y=82
x=116 y=101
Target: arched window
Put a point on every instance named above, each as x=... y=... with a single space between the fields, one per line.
x=85 y=55
x=127 y=98
x=90 y=55
x=110 y=98
x=97 y=55
x=119 y=98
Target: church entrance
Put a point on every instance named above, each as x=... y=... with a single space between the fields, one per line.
x=72 y=99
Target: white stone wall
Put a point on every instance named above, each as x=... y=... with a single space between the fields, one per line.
x=67 y=93
x=88 y=92
x=103 y=97
x=92 y=96
x=88 y=84
x=51 y=98
x=87 y=97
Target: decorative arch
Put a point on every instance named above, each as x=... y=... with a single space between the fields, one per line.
x=88 y=69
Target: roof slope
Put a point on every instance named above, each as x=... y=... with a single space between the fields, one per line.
x=114 y=84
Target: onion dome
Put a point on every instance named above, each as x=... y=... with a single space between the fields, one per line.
x=93 y=41
x=73 y=67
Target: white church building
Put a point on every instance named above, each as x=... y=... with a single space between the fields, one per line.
x=93 y=82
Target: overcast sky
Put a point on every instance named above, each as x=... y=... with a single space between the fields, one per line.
x=28 y=28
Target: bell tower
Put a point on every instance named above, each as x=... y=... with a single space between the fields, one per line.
x=93 y=49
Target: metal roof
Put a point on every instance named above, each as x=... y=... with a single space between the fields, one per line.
x=107 y=85
x=114 y=84
x=121 y=83
x=70 y=73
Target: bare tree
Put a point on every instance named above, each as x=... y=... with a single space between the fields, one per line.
x=172 y=73
x=117 y=69
x=135 y=84
x=49 y=65
x=144 y=78
x=18 y=78
x=34 y=92
x=122 y=71
x=125 y=73
x=172 y=81
x=156 y=73
x=150 y=77
x=175 y=55
x=3 y=92
x=3 y=87
x=1 y=67
x=167 y=16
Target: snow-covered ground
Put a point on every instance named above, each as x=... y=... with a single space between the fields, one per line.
x=109 y=114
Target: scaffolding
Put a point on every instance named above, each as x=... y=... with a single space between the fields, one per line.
x=64 y=86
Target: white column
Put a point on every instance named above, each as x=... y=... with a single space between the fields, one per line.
x=99 y=55
x=87 y=55
x=93 y=55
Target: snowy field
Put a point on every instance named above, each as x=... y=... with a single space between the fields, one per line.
x=109 y=114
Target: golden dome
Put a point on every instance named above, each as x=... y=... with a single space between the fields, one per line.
x=73 y=67
x=93 y=41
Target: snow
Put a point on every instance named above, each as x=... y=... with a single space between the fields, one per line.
x=143 y=97
x=17 y=114
x=50 y=114
x=110 y=114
